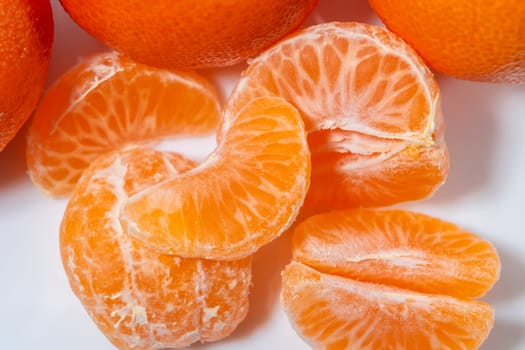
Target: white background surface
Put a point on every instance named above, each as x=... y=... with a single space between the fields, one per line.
x=484 y=193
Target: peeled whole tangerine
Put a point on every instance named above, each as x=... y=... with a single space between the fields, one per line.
x=139 y=298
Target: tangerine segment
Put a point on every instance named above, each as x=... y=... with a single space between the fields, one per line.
x=371 y=97
x=333 y=312
x=107 y=102
x=376 y=172
x=247 y=192
x=399 y=248
x=139 y=298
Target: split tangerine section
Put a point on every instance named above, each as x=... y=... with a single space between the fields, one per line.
x=389 y=279
x=108 y=102
x=245 y=194
x=371 y=109
x=138 y=297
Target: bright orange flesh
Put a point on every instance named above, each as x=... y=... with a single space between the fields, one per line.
x=244 y=195
x=109 y=102
x=477 y=40
x=26 y=35
x=336 y=313
x=398 y=248
x=189 y=34
x=389 y=279
x=139 y=298
x=370 y=106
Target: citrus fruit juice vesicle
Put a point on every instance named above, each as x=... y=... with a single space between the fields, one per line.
x=139 y=298
x=371 y=108
x=245 y=194
x=108 y=102
x=388 y=279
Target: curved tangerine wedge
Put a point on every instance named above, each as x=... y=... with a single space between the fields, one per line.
x=371 y=109
x=247 y=192
x=389 y=279
x=108 y=102
x=139 y=298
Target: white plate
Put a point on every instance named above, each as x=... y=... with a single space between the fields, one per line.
x=484 y=193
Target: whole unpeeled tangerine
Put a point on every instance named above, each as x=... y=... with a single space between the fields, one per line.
x=480 y=40
x=26 y=35
x=188 y=34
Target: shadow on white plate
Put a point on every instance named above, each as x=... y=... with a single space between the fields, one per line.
x=70 y=44
x=12 y=162
x=511 y=284
x=268 y=263
x=471 y=127
x=343 y=11
x=507 y=334
x=224 y=78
